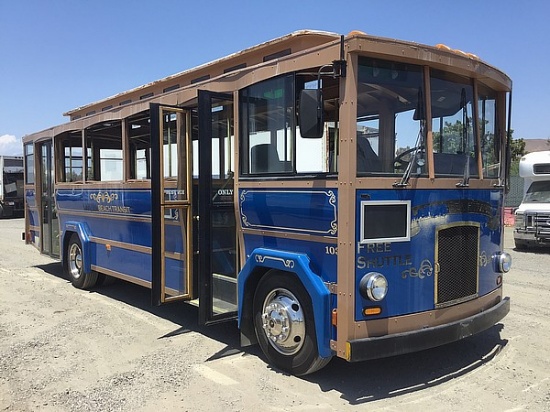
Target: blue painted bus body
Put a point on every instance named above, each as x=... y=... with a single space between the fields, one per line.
x=302 y=226
x=121 y=218
x=408 y=265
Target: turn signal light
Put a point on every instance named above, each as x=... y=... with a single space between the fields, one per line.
x=372 y=311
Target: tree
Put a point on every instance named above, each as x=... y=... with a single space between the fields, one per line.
x=454 y=139
x=517 y=148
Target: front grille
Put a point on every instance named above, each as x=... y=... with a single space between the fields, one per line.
x=539 y=223
x=457 y=264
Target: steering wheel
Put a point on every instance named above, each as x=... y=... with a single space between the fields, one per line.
x=400 y=157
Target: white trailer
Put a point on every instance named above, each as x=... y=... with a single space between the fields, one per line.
x=532 y=217
x=11 y=186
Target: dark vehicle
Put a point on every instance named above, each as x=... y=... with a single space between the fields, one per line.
x=11 y=186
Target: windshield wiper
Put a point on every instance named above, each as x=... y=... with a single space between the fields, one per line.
x=407 y=174
x=418 y=115
x=465 y=123
x=466 y=175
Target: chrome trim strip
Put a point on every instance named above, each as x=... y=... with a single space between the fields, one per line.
x=292 y=236
x=121 y=245
x=103 y=215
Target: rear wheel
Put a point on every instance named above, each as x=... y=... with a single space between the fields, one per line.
x=284 y=324
x=75 y=265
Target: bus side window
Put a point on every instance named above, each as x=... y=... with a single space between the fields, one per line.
x=270 y=135
x=29 y=164
x=139 y=135
x=268 y=127
x=104 y=143
x=70 y=151
x=264 y=158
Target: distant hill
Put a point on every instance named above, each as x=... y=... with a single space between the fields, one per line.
x=536 y=145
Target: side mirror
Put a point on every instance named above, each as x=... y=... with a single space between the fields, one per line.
x=310 y=114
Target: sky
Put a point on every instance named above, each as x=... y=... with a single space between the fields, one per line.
x=56 y=55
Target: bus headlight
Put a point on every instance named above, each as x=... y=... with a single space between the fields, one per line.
x=503 y=261
x=373 y=286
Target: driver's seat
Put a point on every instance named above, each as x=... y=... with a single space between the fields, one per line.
x=367 y=159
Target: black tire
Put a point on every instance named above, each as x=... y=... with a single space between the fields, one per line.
x=75 y=265
x=288 y=338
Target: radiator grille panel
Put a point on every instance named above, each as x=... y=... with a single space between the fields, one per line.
x=538 y=223
x=457 y=252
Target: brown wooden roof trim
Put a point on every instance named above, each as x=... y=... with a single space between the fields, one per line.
x=309 y=49
x=297 y=41
x=438 y=57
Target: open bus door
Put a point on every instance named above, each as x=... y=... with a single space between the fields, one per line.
x=172 y=250
x=217 y=230
x=172 y=206
x=45 y=192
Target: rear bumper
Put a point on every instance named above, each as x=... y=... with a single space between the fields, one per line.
x=400 y=343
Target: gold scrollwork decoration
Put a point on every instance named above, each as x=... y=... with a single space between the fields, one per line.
x=483 y=260
x=288 y=263
x=104 y=197
x=425 y=270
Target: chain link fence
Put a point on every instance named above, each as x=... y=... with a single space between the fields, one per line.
x=515 y=195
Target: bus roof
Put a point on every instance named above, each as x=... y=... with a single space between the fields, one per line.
x=269 y=50
x=281 y=55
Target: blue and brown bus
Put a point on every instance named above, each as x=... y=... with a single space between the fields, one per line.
x=336 y=195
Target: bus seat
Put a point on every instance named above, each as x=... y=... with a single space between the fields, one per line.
x=367 y=159
x=264 y=158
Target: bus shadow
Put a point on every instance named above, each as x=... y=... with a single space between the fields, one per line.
x=538 y=250
x=54 y=269
x=369 y=381
x=358 y=383
x=180 y=313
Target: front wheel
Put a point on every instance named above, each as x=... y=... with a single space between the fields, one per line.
x=284 y=324
x=75 y=265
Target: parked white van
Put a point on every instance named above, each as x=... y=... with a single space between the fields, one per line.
x=532 y=217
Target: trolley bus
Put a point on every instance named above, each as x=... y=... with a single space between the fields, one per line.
x=336 y=195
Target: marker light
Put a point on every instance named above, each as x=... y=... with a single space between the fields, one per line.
x=377 y=310
x=373 y=286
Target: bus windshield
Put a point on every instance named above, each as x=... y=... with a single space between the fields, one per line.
x=389 y=115
x=392 y=121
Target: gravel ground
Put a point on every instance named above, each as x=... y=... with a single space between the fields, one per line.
x=63 y=349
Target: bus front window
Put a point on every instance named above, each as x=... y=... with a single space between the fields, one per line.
x=452 y=124
x=490 y=144
x=390 y=117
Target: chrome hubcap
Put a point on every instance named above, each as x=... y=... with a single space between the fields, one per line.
x=283 y=321
x=75 y=261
